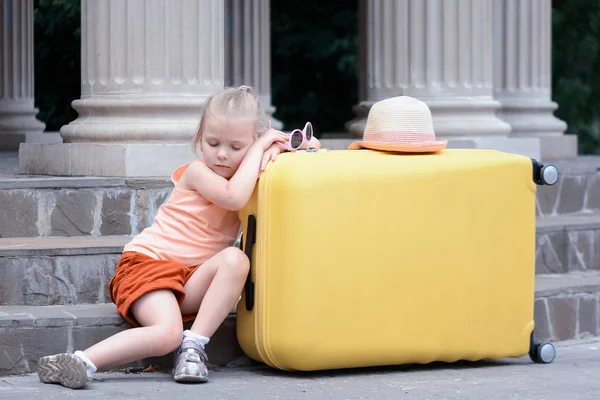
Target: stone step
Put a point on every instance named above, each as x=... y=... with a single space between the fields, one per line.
x=99 y=206
x=27 y=333
x=58 y=270
x=566 y=307
x=568 y=243
x=577 y=190
x=76 y=270
x=52 y=206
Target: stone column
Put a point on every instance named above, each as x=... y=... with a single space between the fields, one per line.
x=436 y=51
x=17 y=112
x=147 y=67
x=522 y=75
x=248 y=50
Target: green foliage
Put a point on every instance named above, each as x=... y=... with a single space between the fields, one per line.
x=575 y=62
x=314 y=62
x=57 y=60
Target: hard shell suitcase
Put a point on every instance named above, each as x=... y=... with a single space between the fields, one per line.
x=363 y=258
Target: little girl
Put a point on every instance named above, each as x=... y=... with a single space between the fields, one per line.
x=183 y=267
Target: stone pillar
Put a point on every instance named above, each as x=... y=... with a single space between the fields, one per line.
x=436 y=51
x=147 y=67
x=439 y=52
x=522 y=76
x=248 y=50
x=17 y=112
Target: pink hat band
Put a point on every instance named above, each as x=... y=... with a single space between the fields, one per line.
x=399 y=137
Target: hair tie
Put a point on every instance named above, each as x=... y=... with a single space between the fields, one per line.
x=244 y=88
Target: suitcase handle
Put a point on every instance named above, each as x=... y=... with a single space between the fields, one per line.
x=544 y=174
x=250 y=240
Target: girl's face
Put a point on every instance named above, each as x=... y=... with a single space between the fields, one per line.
x=225 y=143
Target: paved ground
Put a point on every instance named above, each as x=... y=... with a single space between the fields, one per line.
x=573 y=375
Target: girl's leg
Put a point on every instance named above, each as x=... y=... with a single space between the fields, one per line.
x=161 y=332
x=211 y=292
x=158 y=312
x=214 y=288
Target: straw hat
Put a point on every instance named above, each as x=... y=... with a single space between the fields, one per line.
x=401 y=124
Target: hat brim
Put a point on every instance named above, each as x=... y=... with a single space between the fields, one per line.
x=429 y=147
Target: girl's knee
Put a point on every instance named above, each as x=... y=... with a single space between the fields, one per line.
x=235 y=260
x=168 y=338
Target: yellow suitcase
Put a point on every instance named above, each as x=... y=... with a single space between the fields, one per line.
x=362 y=258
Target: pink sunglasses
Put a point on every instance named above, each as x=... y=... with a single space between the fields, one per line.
x=297 y=137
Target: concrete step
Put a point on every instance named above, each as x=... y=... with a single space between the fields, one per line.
x=76 y=206
x=76 y=270
x=566 y=307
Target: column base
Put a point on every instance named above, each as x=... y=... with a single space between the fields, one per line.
x=452 y=116
x=533 y=117
x=11 y=141
x=18 y=124
x=104 y=159
x=558 y=147
x=135 y=118
x=527 y=146
x=466 y=116
x=542 y=148
x=530 y=116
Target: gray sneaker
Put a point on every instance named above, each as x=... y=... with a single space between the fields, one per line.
x=66 y=369
x=190 y=363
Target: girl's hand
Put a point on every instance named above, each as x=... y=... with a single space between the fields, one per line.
x=270 y=154
x=269 y=138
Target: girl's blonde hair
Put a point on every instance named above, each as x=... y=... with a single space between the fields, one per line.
x=231 y=102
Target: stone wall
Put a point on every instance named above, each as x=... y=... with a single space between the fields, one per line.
x=76 y=211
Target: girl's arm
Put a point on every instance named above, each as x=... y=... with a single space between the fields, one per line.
x=232 y=194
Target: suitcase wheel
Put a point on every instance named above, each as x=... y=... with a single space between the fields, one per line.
x=542 y=353
x=544 y=174
x=549 y=174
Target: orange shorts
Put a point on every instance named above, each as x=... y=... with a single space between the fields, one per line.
x=137 y=274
